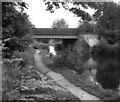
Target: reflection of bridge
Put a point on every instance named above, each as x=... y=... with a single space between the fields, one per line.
x=66 y=34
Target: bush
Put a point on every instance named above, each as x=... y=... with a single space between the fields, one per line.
x=107 y=49
x=70 y=58
x=13 y=71
x=16 y=29
x=27 y=56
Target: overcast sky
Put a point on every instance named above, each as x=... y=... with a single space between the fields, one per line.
x=44 y=19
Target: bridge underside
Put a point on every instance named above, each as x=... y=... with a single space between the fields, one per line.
x=67 y=42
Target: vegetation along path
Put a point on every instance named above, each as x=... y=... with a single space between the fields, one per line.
x=78 y=92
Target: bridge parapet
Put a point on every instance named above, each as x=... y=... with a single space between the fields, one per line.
x=68 y=33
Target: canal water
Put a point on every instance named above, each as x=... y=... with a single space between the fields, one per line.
x=103 y=71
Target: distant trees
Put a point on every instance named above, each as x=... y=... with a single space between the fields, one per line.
x=60 y=24
x=88 y=27
x=16 y=27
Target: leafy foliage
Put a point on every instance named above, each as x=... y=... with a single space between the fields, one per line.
x=16 y=27
x=22 y=81
x=70 y=58
x=27 y=56
x=76 y=7
x=108 y=17
x=88 y=27
x=107 y=49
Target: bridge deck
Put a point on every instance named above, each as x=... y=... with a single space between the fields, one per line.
x=68 y=33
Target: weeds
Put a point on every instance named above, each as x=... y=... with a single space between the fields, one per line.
x=13 y=70
x=27 y=56
x=70 y=58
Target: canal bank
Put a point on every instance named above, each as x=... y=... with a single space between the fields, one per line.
x=86 y=79
x=77 y=91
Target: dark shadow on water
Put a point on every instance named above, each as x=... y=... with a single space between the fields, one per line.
x=108 y=71
x=116 y=100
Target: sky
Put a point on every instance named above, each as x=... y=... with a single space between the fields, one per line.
x=44 y=19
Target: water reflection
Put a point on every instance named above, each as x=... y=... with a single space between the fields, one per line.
x=90 y=69
x=108 y=70
x=103 y=71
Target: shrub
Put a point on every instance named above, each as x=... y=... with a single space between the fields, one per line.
x=27 y=56
x=14 y=69
x=107 y=49
x=70 y=58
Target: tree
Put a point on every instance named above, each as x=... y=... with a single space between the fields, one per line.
x=76 y=8
x=60 y=24
x=88 y=27
x=16 y=27
x=109 y=21
x=109 y=17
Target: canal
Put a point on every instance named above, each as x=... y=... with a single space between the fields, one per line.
x=102 y=71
